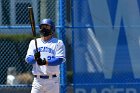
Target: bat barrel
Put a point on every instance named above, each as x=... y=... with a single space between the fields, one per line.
x=32 y=22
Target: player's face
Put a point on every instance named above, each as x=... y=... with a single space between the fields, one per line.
x=46 y=27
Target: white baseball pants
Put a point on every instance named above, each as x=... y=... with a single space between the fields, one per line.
x=45 y=85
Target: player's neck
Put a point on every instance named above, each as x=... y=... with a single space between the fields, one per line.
x=47 y=38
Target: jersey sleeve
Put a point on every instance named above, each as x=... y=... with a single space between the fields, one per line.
x=60 y=50
x=31 y=48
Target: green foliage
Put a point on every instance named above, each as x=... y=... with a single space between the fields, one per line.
x=17 y=37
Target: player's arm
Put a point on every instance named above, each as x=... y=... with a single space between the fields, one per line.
x=59 y=56
x=30 y=55
x=30 y=59
x=54 y=62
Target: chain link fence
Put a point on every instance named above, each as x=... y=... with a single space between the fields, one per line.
x=15 y=35
x=106 y=46
x=15 y=12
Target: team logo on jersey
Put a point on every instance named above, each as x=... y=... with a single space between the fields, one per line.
x=45 y=49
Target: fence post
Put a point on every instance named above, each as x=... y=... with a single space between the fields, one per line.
x=61 y=35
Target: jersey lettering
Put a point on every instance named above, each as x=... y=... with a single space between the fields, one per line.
x=45 y=49
x=50 y=57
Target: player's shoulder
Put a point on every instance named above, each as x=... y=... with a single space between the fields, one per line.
x=38 y=39
x=56 y=40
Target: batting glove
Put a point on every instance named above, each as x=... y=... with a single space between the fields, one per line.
x=40 y=61
x=37 y=55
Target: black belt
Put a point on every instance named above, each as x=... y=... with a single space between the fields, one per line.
x=45 y=77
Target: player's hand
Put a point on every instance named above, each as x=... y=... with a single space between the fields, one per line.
x=37 y=55
x=40 y=61
x=44 y=61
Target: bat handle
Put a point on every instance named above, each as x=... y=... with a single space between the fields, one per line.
x=36 y=45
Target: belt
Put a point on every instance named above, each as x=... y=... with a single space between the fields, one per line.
x=45 y=77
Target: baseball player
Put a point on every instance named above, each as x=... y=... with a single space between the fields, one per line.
x=51 y=53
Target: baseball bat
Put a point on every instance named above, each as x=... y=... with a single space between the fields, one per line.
x=32 y=22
